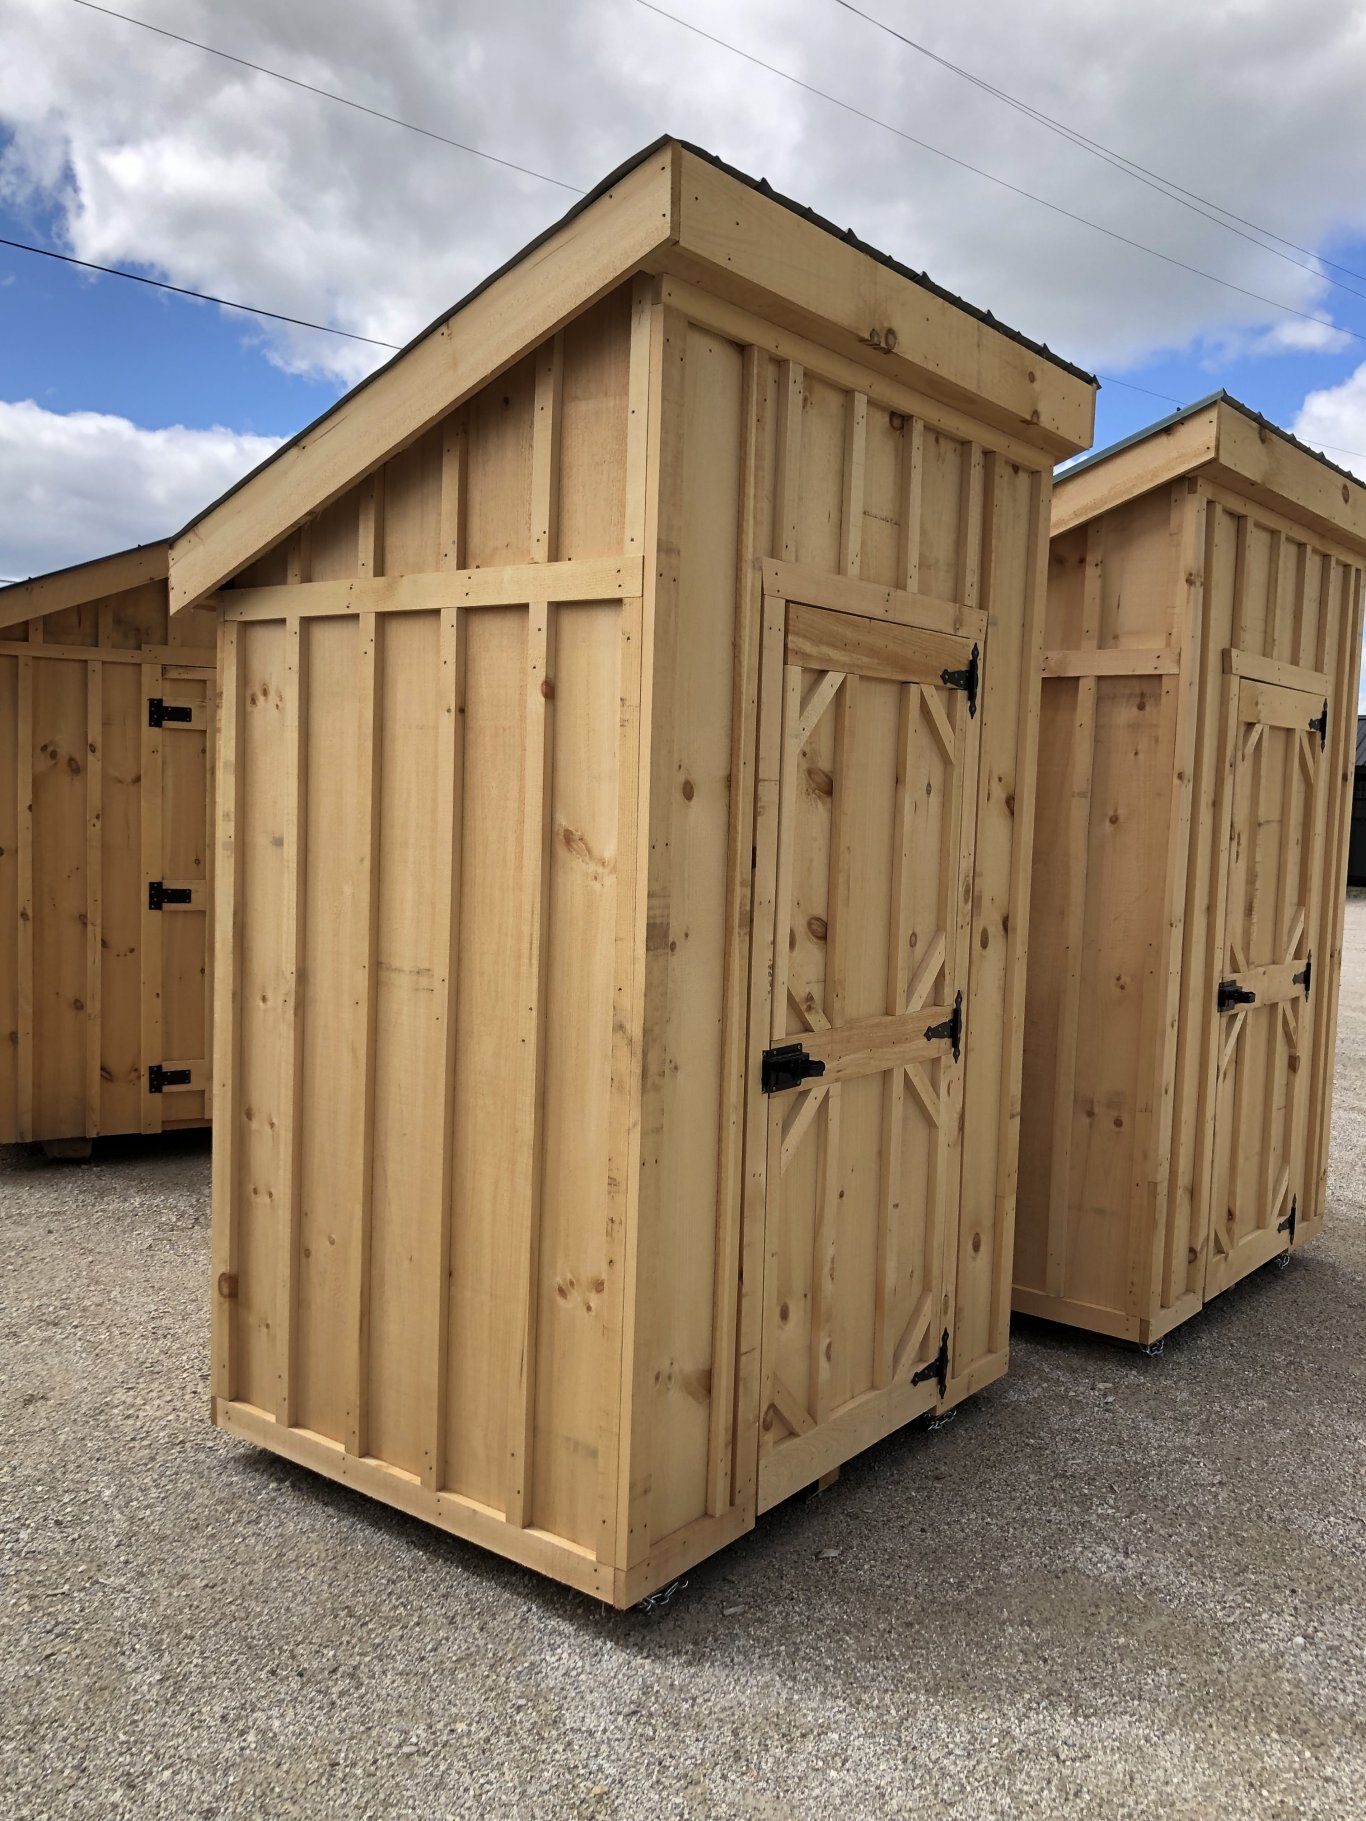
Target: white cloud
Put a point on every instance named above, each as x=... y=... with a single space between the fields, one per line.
x=1334 y=420
x=228 y=181
x=82 y=484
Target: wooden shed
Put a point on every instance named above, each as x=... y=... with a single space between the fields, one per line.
x=1195 y=789
x=628 y=721
x=106 y=776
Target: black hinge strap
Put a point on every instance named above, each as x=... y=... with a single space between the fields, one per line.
x=1288 y=1224
x=159 y=1078
x=787 y=1066
x=968 y=679
x=1305 y=974
x=1319 y=725
x=159 y=712
x=937 y=1369
x=951 y=1028
x=1231 y=994
x=159 y=895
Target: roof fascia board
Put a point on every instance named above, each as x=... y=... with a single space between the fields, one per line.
x=1135 y=467
x=1253 y=460
x=620 y=232
x=93 y=581
x=750 y=249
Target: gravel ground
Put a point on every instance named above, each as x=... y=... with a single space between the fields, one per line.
x=1115 y=1586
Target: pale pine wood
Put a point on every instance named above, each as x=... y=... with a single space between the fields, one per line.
x=615 y=745
x=1221 y=548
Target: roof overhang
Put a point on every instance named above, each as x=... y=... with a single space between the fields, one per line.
x=1220 y=440
x=92 y=581
x=672 y=210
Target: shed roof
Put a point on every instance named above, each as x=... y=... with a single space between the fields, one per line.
x=89 y=581
x=1228 y=440
x=675 y=208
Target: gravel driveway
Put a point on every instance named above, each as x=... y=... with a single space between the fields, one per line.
x=1115 y=1586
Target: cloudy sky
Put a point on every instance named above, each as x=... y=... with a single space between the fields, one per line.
x=123 y=410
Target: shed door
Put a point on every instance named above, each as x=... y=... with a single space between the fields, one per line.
x=177 y=987
x=873 y=902
x=1263 y=991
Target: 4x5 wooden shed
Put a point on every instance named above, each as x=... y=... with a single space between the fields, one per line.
x=1195 y=790
x=106 y=777
x=628 y=722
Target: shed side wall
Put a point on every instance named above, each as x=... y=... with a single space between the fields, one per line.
x=420 y=1192
x=72 y=710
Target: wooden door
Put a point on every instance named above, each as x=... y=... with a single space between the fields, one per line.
x=1270 y=834
x=177 y=850
x=880 y=731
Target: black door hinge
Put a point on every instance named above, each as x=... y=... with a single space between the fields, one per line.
x=1319 y=725
x=159 y=1079
x=159 y=712
x=159 y=895
x=938 y=1368
x=787 y=1066
x=1305 y=974
x=965 y=679
x=1231 y=994
x=952 y=1028
x=1288 y=1224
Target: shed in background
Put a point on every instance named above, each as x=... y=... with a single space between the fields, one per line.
x=1190 y=851
x=106 y=776
x=629 y=708
x=1356 y=853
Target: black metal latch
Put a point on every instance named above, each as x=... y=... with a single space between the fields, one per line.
x=1319 y=725
x=159 y=1079
x=965 y=679
x=952 y=1028
x=1288 y=1224
x=938 y=1368
x=1305 y=974
x=787 y=1066
x=1231 y=994
x=159 y=895
x=159 y=712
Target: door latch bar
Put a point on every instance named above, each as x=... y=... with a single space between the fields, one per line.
x=787 y=1065
x=1231 y=994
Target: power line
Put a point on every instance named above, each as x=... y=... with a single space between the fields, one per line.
x=1056 y=208
x=1109 y=380
x=226 y=303
x=1153 y=180
x=328 y=95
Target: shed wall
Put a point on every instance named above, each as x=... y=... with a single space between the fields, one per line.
x=81 y=996
x=1143 y=603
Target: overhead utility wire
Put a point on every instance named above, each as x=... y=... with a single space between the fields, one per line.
x=1055 y=207
x=1165 y=186
x=227 y=303
x=329 y=95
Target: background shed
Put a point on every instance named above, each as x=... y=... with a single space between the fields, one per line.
x=106 y=743
x=639 y=676
x=1356 y=853
x=1196 y=761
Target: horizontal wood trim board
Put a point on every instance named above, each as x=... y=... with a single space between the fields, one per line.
x=462 y=1517
x=800 y=1459
x=1272 y=670
x=108 y=654
x=87 y=582
x=846 y=594
x=512 y=585
x=1116 y=662
x=901 y=653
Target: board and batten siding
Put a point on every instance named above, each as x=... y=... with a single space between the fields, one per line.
x=489 y=1209
x=1144 y=601
x=90 y=984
